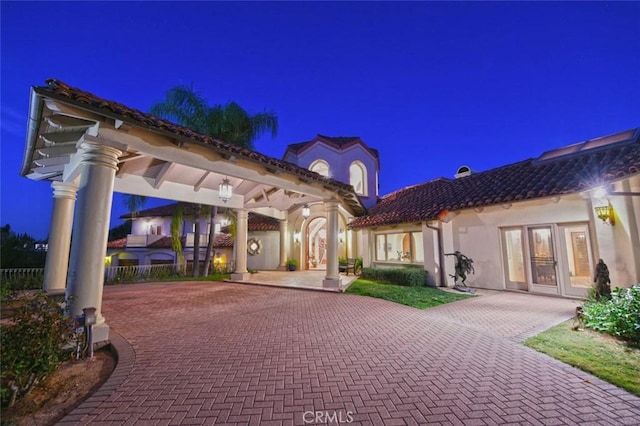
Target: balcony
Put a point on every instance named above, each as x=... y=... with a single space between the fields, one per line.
x=142 y=240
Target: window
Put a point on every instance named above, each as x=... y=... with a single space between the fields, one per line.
x=321 y=167
x=404 y=247
x=358 y=177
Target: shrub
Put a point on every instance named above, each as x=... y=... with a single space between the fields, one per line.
x=32 y=345
x=618 y=316
x=401 y=276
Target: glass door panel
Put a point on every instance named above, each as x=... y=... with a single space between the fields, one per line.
x=513 y=255
x=542 y=252
x=579 y=261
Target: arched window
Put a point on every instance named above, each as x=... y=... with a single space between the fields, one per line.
x=358 y=177
x=321 y=167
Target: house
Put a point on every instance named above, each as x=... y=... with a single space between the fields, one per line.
x=150 y=241
x=538 y=225
x=529 y=226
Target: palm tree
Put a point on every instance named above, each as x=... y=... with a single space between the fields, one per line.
x=229 y=123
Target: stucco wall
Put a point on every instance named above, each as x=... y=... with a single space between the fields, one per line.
x=339 y=162
x=477 y=234
x=269 y=257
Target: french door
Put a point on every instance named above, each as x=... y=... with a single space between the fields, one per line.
x=552 y=259
x=578 y=261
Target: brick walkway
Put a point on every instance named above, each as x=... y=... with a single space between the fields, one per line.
x=231 y=354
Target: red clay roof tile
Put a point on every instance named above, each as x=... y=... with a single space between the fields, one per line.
x=524 y=180
x=56 y=89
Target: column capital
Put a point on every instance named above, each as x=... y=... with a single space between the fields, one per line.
x=64 y=190
x=331 y=204
x=242 y=213
x=101 y=155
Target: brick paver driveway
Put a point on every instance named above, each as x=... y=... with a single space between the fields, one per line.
x=225 y=353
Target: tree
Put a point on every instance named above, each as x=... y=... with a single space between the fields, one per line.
x=228 y=123
x=19 y=250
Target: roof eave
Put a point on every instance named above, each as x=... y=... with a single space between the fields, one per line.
x=36 y=105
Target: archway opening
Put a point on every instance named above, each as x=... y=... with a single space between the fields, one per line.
x=316 y=250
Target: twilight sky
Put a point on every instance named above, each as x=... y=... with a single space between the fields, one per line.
x=431 y=85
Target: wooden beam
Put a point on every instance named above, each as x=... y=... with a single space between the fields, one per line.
x=200 y=181
x=162 y=175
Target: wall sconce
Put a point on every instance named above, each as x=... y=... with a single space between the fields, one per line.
x=306 y=212
x=296 y=237
x=606 y=214
x=341 y=235
x=225 y=190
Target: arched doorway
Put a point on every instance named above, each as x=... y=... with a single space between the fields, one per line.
x=316 y=250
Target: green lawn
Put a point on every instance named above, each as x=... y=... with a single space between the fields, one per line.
x=418 y=297
x=598 y=354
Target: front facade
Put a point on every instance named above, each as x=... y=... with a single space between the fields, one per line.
x=537 y=226
x=531 y=226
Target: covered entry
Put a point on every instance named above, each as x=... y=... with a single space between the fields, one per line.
x=89 y=147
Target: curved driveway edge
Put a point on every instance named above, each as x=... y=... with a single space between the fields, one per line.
x=218 y=353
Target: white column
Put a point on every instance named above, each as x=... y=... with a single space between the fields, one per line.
x=241 y=273
x=332 y=279
x=91 y=231
x=57 y=263
x=284 y=246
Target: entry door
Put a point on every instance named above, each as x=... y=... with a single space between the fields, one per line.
x=542 y=257
x=513 y=255
x=578 y=262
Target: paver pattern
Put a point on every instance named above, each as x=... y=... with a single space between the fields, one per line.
x=205 y=353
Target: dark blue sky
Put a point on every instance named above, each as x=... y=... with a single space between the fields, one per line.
x=431 y=85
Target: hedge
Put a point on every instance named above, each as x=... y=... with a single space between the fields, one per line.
x=411 y=277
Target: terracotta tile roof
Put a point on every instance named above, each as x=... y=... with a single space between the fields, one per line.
x=119 y=243
x=164 y=243
x=222 y=240
x=525 y=180
x=57 y=89
x=257 y=222
x=339 y=142
x=162 y=211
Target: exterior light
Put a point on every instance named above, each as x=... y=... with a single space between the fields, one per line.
x=306 y=212
x=341 y=235
x=599 y=193
x=225 y=190
x=606 y=214
x=296 y=237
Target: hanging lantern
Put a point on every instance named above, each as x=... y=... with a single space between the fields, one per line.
x=225 y=190
x=306 y=212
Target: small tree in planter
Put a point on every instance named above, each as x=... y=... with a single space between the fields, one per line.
x=291 y=264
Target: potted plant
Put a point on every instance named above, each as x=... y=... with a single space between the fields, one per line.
x=291 y=264
x=342 y=264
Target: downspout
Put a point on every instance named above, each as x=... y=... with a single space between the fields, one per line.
x=443 y=279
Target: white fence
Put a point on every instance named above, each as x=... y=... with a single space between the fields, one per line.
x=127 y=274
x=33 y=278
x=22 y=278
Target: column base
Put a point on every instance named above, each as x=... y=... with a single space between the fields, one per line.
x=241 y=276
x=332 y=284
x=282 y=268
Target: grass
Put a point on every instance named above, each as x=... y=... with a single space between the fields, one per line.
x=417 y=297
x=599 y=354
